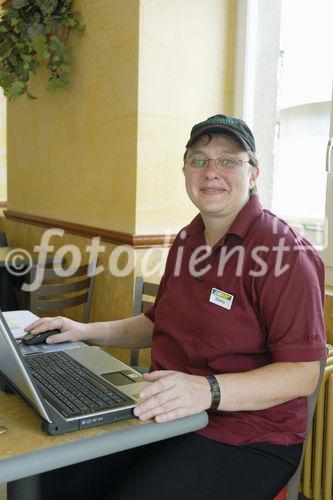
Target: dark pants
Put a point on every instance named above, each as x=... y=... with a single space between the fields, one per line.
x=189 y=467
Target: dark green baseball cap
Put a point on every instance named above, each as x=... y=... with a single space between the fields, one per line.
x=220 y=123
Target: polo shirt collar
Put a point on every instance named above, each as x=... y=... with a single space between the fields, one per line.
x=239 y=228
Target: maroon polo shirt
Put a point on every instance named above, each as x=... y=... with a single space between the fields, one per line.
x=255 y=299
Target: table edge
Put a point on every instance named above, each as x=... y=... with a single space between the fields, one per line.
x=33 y=463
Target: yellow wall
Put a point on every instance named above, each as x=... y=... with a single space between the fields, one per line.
x=3 y=148
x=107 y=153
x=72 y=156
x=185 y=75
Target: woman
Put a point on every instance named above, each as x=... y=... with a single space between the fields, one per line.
x=236 y=329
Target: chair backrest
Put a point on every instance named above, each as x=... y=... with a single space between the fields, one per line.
x=144 y=296
x=293 y=484
x=3 y=239
x=57 y=293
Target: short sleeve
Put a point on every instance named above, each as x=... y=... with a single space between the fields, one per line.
x=291 y=304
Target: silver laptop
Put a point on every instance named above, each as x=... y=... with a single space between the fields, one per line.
x=71 y=389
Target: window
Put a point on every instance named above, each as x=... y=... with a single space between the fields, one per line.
x=284 y=50
x=303 y=119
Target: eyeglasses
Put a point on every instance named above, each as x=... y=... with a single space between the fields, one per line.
x=225 y=163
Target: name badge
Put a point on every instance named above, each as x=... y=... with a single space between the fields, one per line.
x=221 y=299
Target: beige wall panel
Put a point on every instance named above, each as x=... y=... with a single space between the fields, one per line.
x=186 y=74
x=72 y=156
x=3 y=148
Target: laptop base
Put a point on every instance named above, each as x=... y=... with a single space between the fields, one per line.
x=58 y=426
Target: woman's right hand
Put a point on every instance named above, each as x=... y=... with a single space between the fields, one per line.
x=70 y=330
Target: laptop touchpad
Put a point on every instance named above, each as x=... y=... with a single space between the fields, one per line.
x=122 y=378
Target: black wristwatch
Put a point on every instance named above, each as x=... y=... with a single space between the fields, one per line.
x=215 y=390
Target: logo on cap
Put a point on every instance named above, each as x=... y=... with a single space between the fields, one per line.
x=221 y=123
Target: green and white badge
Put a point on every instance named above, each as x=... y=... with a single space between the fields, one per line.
x=220 y=298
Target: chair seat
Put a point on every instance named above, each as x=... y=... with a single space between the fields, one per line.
x=282 y=495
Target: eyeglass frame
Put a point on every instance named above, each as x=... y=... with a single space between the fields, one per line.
x=219 y=167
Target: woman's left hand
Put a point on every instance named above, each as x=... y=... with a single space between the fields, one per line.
x=173 y=395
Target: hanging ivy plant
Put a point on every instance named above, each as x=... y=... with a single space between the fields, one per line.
x=34 y=32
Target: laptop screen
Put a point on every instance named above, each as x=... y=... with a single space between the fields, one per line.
x=14 y=371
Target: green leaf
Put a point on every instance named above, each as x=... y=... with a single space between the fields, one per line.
x=27 y=34
x=34 y=66
x=12 y=59
x=35 y=30
x=55 y=43
x=39 y=44
x=25 y=74
x=57 y=82
x=65 y=69
x=36 y=18
x=71 y=22
x=18 y=4
x=4 y=52
x=26 y=58
x=17 y=88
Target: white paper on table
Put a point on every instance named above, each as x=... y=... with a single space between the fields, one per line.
x=18 y=320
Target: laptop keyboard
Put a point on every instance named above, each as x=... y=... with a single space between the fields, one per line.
x=70 y=387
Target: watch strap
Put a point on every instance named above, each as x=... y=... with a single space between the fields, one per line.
x=215 y=390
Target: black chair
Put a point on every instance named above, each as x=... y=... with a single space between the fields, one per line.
x=58 y=293
x=8 y=300
x=3 y=239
